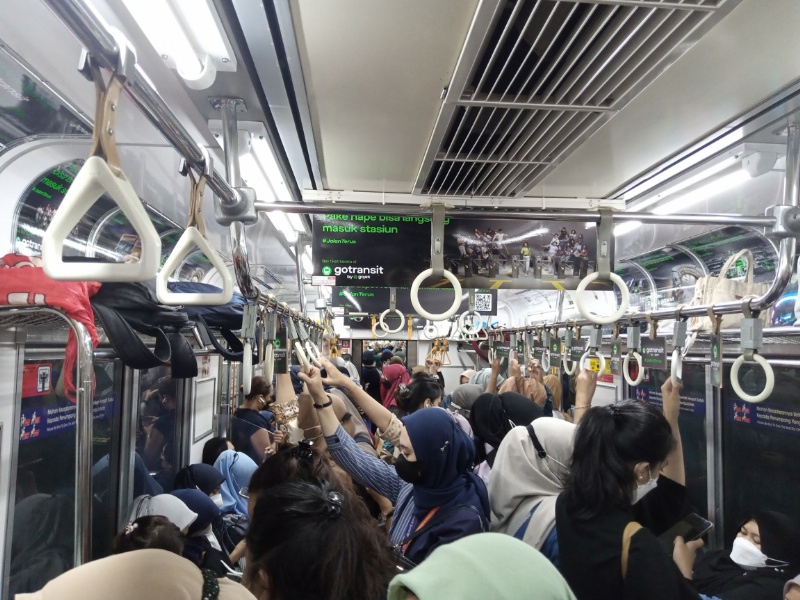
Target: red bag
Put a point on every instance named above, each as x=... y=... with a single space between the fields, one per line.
x=24 y=283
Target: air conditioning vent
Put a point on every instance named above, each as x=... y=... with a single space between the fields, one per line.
x=549 y=74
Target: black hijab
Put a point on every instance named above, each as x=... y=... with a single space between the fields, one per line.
x=715 y=573
x=200 y=476
x=494 y=415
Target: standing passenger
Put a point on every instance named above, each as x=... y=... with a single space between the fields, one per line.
x=249 y=427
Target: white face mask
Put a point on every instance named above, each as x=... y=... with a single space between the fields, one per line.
x=217 y=498
x=747 y=555
x=642 y=490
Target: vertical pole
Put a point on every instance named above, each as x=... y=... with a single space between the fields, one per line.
x=83 y=445
x=299 y=248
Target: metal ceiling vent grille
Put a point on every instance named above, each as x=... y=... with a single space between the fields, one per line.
x=537 y=77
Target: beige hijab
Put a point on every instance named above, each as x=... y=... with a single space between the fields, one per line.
x=133 y=576
x=522 y=480
x=530 y=388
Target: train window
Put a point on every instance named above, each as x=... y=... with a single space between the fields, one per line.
x=760 y=467
x=692 y=424
x=157 y=436
x=43 y=518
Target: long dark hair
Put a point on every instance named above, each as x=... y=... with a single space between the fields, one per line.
x=609 y=441
x=313 y=542
x=422 y=387
x=213 y=448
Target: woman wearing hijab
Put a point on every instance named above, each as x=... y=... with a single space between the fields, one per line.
x=466 y=376
x=151 y=574
x=492 y=417
x=487 y=565
x=437 y=499
x=463 y=398
x=203 y=477
x=553 y=384
x=163 y=505
x=237 y=468
x=393 y=377
x=765 y=553
x=201 y=545
x=484 y=377
x=530 y=471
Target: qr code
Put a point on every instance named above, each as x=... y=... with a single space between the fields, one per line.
x=483 y=302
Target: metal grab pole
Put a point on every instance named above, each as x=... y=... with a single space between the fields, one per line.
x=93 y=35
x=479 y=213
x=230 y=135
x=84 y=384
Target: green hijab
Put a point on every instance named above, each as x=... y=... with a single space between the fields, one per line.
x=480 y=566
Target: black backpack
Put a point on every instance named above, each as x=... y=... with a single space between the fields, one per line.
x=230 y=529
x=124 y=308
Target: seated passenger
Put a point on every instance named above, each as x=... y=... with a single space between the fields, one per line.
x=163 y=505
x=482 y=567
x=153 y=532
x=529 y=473
x=618 y=454
x=437 y=499
x=237 y=469
x=203 y=477
x=309 y=541
x=214 y=447
x=202 y=546
x=765 y=553
x=249 y=427
x=41 y=541
x=141 y=575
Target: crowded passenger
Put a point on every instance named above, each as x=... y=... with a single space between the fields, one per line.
x=213 y=448
x=237 y=468
x=250 y=426
x=154 y=532
x=202 y=546
x=394 y=375
x=437 y=498
x=370 y=376
x=480 y=567
x=163 y=505
x=163 y=431
x=203 y=477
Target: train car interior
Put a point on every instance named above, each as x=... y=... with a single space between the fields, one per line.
x=199 y=195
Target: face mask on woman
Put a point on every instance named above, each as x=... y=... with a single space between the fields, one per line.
x=746 y=554
x=642 y=490
x=408 y=471
x=217 y=499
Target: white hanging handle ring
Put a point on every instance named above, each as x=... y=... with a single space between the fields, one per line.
x=770 y=385
x=375 y=331
x=676 y=368
x=247 y=367
x=625 y=368
x=456 y=293
x=383 y=324
x=570 y=367
x=430 y=331
x=598 y=356
x=301 y=356
x=475 y=326
x=546 y=361
x=580 y=293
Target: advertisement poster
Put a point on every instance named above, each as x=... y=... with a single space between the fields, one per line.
x=391 y=250
x=674 y=273
x=762 y=416
x=715 y=247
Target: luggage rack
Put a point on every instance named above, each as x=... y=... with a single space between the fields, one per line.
x=29 y=317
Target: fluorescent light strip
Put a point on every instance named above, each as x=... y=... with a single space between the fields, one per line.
x=281 y=223
x=705 y=192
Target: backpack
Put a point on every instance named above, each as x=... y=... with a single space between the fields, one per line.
x=124 y=308
x=230 y=529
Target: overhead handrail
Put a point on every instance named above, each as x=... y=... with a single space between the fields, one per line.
x=249 y=323
x=437 y=269
x=679 y=330
x=603 y=272
x=194 y=236
x=634 y=343
x=392 y=309
x=593 y=351
x=751 y=342
x=101 y=174
x=567 y=364
x=473 y=330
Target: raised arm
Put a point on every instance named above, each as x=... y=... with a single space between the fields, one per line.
x=585 y=385
x=671 y=397
x=375 y=411
x=284 y=392
x=366 y=469
x=491 y=387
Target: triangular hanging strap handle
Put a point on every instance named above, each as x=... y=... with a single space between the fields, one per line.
x=101 y=174
x=194 y=237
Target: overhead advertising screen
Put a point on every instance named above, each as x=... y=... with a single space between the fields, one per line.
x=391 y=250
x=715 y=247
x=674 y=273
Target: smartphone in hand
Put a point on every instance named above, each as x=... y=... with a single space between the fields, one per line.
x=690 y=528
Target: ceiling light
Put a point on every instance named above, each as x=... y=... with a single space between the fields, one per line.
x=297 y=222
x=705 y=192
x=626 y=227
x=281 y=223
x=266 y=159
x=188 y=36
